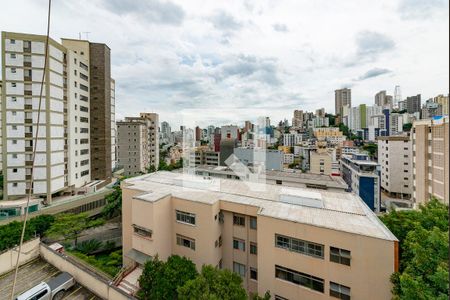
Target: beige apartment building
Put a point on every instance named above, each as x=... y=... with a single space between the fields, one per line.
x=430 y=140
x=133 y=155
x=395 y=159
x=296 y=243
x=320 y=162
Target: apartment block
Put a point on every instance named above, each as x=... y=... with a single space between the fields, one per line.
x=66 y=122
x=296 y=243
x=443 y=101
x=342 y=97
x=395 y=159
x=152 y=120
x=413 y=104
x=329 y=134
x=133 y=147
x=430 y=142
x=203 y=156
x=363 y=178
x=320 y=162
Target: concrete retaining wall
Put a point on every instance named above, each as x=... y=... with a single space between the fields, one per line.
x=95 y=283
x=30 y=251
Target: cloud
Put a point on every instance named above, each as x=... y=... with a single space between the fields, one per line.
x=152 y=11
x=280 y=27
x=375 y=72
x=225 y=22
x=370 y=44
x=417 y=9
x=250 y=67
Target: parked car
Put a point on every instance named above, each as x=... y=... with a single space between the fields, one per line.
x=54 y=289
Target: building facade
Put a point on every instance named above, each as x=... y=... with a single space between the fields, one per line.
x=133 y=146
x=430 y=142
x=363 y=178
x=395 y=159
x=342 y=97
x=64 y=147
x=269 y=239
x=320 y=162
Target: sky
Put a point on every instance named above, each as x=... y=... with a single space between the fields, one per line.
x=219 y=62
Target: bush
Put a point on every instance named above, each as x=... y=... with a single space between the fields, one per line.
x=108 y=263
x=88 y=247
x=10 y=233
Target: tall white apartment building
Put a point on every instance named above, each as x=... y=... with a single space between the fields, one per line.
x=64 y=148
x=395 y=159
x=396 y=124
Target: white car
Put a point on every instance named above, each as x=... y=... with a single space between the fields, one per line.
x=52 y=290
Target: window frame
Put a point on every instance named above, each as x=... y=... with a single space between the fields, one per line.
x=184 y=217
x=308 y=248
x=237 y=220
x=181 y=239
x=342 y=256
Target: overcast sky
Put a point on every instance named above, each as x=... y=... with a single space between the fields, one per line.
x=239 y=59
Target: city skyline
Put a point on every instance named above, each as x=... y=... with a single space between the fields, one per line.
x=252 y=55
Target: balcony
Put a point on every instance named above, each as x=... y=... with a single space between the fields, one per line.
x=28 y=106
x=27 y=49
x=27 y=78
x=28 y=134
x=28 y=163
x=28 y=93
x=27 y=177
x=28 y=149
x=28 y=121
x=27 y=64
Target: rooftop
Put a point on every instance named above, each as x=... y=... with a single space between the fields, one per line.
x=333 y=210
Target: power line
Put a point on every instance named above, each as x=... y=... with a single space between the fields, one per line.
x=34 y=151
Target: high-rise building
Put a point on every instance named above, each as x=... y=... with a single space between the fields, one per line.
x=342 y=97
x=133 y=147
x=431 y=163
x=395 y=159
x=68 y=127
x=443 y=101
x=269 y=238
x=395 y=124
x=152 y=120
x=229 y=132
x=383 y=100
x=298 y=119
x=320 y=162
x=413 y=104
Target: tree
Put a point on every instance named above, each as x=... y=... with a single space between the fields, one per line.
x=70 y=226
x=407 y=127
x=160 y=280
x=372 y=149
x=213 y=284
x=423 y=240
x=113 y=207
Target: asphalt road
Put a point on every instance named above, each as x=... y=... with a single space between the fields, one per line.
x=34 y=273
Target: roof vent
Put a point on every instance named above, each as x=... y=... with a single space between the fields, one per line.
x=310 y=199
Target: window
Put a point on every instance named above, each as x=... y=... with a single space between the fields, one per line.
x=238 y=220
x=238 y=244
x=185 y=242
x=14 y=127
x=12 y=55
x=14 y=142
x=84 y=173
x=14 y=113
x=239 y=269
x=185 y=217
x=278 y=182
x=14 y=99
x=339 y=291
x=40 y=295
x=306 y=280
x=144 y=232
x=14 y=170
x=340 y=256
x=12 y=41
x=253 y=248
x=253 y=274
x=14 y=184
x=14 y=155
x=13 y=70
x=253 y=223
x=300 y=246
x=13 y=84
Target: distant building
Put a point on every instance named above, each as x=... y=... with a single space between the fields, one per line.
x=229 y=132
x=443 y=101
x=226 y=149
x=413 y=104
x=431 y=109
x=271 y=159
x=342 y=97
x=395 y=159
x=363 y=178
x=133 y=147
x=329 y=134
x=431 y=164
x=204 y=156
x=320 y=163
x=383 y=100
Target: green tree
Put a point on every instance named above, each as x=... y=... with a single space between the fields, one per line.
x=423 y=240
x=213 y=284
x=407 y=127
x=70 y=226
x=113 y=207
x=371 y=148
x=160 y=280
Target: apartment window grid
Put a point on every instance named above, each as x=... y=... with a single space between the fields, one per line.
x=340 y=256
x=239 y=269
x=299 y=278
x=238 y=220
x=185 y=242
x=299 y=246
x=144 y=232
x=185 y=217
x=339 y=291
